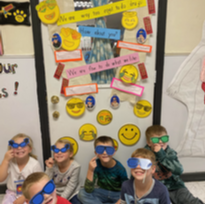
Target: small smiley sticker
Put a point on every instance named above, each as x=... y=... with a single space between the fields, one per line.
x=87 y=132
x=128 y=74
x=129 y=134
x=142 y=108
x=73 y=142
x=104 y=117
x=75 y=107
x=129 y=19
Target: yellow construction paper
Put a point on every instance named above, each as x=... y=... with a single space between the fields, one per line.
x=100 y=11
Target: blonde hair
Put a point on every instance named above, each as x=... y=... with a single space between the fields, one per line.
x=104 y=139
x=145 y=153
x=30 y=180
x=30 y=144
x=65 y=141
x=154 y=129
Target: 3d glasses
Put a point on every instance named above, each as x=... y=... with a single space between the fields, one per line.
x=47 y=189
x=164 y=139
x=64 y=149
x=100 y=149
x=134 y=162
x=16 y=145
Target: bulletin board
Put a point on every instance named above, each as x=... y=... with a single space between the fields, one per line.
x=69 y=126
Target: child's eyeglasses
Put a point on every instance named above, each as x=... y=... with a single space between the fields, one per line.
x=72 y=105
x=164 y=139
x=146 y=108
x=100 y=149
x=47 y=189
x=134 y=162
x=16 y=145
x=64 y=149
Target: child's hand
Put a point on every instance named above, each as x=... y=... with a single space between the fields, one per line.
x=157 y=147
x=9 y=155
x=92 y=164
x=49 y=162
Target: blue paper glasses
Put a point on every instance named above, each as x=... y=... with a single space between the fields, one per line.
x=47 y=189
x=16 y=145
x=64 y=149
x=134 y=162
x=100 y=149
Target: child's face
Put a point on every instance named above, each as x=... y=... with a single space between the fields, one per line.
x=21 y=152
x=38 y=187
x=62 y=156
x=104 y=157
x=139 y=174
x=161 y=144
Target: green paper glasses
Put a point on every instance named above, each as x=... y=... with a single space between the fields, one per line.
x=164 y=139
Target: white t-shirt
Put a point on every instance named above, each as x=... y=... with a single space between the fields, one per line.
x=14 y=173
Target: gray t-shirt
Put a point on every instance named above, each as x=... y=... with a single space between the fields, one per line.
x=67 y=183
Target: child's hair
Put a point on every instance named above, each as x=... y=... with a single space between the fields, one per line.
x=154 y=129
x=30 y=144
x=65 y=141
x=103 y=139
x=144 y=153
x=30 y=180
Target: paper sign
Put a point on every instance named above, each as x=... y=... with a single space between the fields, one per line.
x=59 y=70
x=64 y=56
x=99 y=32
x=64 y=84
x=100 y=11
x=134 y=46
x=143 y=71
x=81 y=89
x=132 y=88
x=148 y=25
x=102 y=65
x=151 y=6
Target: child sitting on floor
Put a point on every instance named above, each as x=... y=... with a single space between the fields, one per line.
x=109 y=172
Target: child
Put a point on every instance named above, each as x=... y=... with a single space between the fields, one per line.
x=168 y=168
x=109 y=172
x=64 y=170
x=18 y=163
x=39 y=189
x=143 y=189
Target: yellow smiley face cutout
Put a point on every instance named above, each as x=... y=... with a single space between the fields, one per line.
x=75 y=107
x=129 y=134
x=129 y=20
x=87 y=132
x=129 y=74
x=70 y=39
x=73 y=142
x=104 y=117
x=48 y=11
x=115 y=144
x=142 y=108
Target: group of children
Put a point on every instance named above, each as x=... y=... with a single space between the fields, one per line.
x=155 y=174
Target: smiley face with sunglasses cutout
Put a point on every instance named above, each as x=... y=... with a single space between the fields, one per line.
x=75 y=107
x=142 y=108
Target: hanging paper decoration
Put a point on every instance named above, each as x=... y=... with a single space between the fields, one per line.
x=129 y=20
x=73 y=142
x=115 y=101
x=129 y=134
x=87 y=132
x=75 y=107
x=14 y=13
x=143 y=71
x=48 y=11
x=128 y=74
x=104 y=117
x=90 y=102
x=142 y=108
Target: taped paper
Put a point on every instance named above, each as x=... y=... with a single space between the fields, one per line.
x=65 y=56
x=100 y=11
x=134 y=46
x=81 y=89
x=133 y=89
x=96 y=32
x=102 y=65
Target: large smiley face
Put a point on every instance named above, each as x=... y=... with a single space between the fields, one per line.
x=70 y=39
x=87 y=132
x=75 y=107
x=142 y=108
x=129 y=134
x=128 y=74
x=129 y=19
x=48 y=11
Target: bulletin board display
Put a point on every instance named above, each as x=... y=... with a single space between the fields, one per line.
x=66 y=124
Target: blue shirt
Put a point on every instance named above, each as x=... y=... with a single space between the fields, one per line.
x=158 y=194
